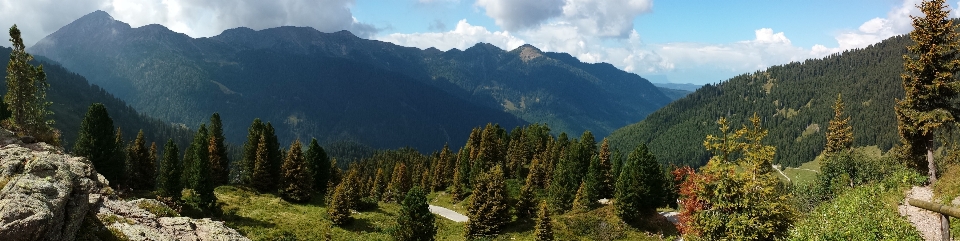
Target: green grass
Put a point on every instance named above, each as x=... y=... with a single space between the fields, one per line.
x=864 y=213
x=267 y=217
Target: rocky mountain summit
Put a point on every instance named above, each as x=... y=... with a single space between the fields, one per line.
x=49 y=195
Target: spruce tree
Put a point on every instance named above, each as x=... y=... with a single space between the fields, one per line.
x=199 y=174
x=142 y=167
x=929 y=85
x=592 y=181
x=219 y=162
x=488 y=209
x=96 y=141
x=339 y=208
x=26 y=95
x=296 y=184
x=168 y=182
x=561 y=191
x=544 y=228
x=461 y=176
x=319 y=165
x=415 y=222
x=248 y=162
x=839 y=133
x=639 y=189
x=607 y=180
x=581 y=202
x=262 y=176
x=376 y=192
x=274 y=154
x=399 y=184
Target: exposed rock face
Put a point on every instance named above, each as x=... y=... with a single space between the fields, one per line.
x=49 y=195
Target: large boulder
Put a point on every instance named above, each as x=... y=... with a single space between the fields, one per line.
x=48 y=195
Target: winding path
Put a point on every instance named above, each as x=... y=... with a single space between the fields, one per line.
x=449 y=214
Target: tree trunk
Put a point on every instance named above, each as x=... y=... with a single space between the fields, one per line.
x=931 y=166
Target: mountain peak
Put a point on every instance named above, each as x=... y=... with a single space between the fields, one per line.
x=528 y=52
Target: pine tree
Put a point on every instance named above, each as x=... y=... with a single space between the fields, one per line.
x=199 y=174
x=96 y=141
x=339 y=208
x=262 y=176
x=839 y=133
x=141 y=167
x=606 y=177
x=168 y=182
x=929 y=84
x=399 y=184
x=250 y=147
x=461 y=176
x=26 y=95
x=544 y=226
x=296 y=184
x=440 y=175
x=378 y=185
x=581 y=202
x=592 y=181
x=120 y=153
x=319 y=166
x=560 y=193
x=219 y=162
x=415 y=222
x=488 y=209
x=274 y=154
x=639 y=189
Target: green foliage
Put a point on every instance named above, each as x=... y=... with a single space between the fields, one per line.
x=544 y=224
x=197 y=170
x=26 y=96
x=415 y=222
x=140 y=167
x=605 y=171
x=250 y=150
x=488 y=210
x=262 y=177
x=839 y=133
x=339 y=208
x=582 y=201
x=929 y=84
x=868 y=78
x=864 y=213
x=319 y=165
x=736 y=195
x=96 y=141
x=168 y=182
x=560 y=193
x=219 y=161
x=296 y=183
x=158 y=209
x=639 y=190
x=399 y=184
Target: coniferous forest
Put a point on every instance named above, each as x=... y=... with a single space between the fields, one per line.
x=823 y=149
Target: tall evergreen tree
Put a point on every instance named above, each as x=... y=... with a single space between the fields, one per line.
x=605 y=169
x=168 y=182
x=544 y=228
x=839 y=133
x=639 y=189
x=96 y=141
x=219 y=162
x=274 y=154
x=26 y=97
x=593 y=180
x=199 y=170
x=488 y=209
x=296 y=183
x=461 y=176
x=319 y=165
x=929 y=84
x=339 y=208
x=415 y=222
x=141 y=167
x=250 y=147
x=582 y=202
x=399 y=184
x=560 y=193
x=263 y=179
x=378 y=185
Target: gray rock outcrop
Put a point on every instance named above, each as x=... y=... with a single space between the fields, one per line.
x=49 y=195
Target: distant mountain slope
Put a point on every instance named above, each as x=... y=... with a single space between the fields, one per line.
x=674 y=94
x=71 y=95
x=795 y=101
x=337 y=86
x=687 y=87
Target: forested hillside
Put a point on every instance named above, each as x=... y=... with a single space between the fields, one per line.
x=336 y=86
x=794 y=100
x=71 y=95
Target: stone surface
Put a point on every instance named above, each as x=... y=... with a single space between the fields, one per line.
x=49 y=195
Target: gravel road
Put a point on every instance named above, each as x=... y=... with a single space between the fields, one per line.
x=449 y=214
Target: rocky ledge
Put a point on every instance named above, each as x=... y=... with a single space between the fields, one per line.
x=49 y=195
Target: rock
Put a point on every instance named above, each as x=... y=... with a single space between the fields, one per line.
x=49 y=195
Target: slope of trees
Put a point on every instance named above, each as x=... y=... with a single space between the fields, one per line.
x=796 y=101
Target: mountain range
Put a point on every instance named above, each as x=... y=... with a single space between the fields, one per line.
x=336 y=86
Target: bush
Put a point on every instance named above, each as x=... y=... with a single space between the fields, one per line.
x=864 y=213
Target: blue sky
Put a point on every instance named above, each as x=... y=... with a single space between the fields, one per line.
x=680 y=41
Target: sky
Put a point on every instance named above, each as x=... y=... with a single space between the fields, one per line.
x=678 y=41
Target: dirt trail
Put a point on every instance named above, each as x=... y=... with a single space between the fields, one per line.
x=449 y=214
x=927 y=222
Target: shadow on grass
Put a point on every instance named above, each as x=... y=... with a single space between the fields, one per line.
x=235 y=221
x=360 y=225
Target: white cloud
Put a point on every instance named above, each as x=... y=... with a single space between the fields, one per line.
x=461 y=37
x=36 y=19
x=515 y=15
